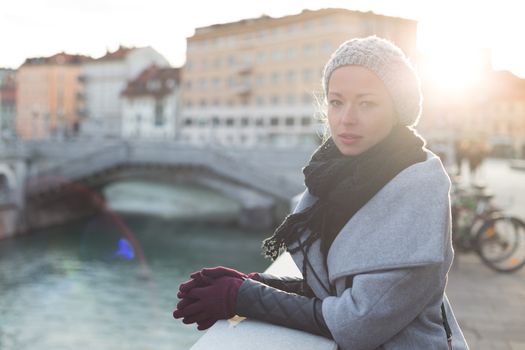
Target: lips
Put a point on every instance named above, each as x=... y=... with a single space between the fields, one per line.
x=349 y=138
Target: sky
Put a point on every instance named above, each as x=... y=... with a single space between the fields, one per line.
x=448 y=30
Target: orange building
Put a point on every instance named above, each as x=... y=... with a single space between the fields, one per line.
x=254 y=81
x=48 y=96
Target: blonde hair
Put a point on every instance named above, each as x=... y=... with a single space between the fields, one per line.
x=320 y=114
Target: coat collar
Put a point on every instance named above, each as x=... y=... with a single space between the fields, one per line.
x=404 y=224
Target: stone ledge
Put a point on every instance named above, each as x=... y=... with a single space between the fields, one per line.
x=242 y=333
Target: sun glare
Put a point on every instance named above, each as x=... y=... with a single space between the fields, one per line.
x=454 y=70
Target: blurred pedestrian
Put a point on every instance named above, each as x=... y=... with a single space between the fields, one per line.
x=461 y=149
x=477 y=152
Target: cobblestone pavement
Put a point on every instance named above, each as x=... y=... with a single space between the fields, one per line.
x=489 y=306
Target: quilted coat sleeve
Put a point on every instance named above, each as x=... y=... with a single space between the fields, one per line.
x=379 y=305
x=288 y=284
x=259 y=301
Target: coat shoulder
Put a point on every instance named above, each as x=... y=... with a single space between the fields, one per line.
x=405 y=224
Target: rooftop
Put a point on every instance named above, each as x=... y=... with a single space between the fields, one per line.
x=59 y=58
x=153 y=81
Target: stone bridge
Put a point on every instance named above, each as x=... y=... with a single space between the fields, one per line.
x=63 y=182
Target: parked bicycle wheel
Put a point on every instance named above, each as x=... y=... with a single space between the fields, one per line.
x=501 y=243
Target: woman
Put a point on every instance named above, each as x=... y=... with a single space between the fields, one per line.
x=371 y=232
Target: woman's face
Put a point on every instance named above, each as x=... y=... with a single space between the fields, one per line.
x=360 y=110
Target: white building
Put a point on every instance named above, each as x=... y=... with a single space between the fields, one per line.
x=150 y=104
x=104 y=79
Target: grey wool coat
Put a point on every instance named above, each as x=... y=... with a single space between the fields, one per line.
x=397 y=250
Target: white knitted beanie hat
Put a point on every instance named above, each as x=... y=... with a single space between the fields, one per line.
x=390 y=64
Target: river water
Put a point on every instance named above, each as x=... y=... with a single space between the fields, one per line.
x=110 y=282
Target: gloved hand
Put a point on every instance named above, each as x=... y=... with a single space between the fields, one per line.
x=213 y=302
x=203 y=277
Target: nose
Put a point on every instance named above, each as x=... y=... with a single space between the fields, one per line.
x=349 y=115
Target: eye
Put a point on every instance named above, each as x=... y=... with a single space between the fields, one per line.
x=367 y=104
x=335 y=103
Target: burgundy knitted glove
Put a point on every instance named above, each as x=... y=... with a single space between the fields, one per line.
x=203 y=277
x=219 y=271
x=196 y=280
x=215 y=301
x=203 y=325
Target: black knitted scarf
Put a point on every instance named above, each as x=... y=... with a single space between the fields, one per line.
x=343 y=184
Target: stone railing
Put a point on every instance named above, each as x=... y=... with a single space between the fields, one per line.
x=242 y=333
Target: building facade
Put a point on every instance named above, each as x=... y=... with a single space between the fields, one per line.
x=103 y=81
x=491 y=112
x=257 y=81
x=47 y=96
x=150 y=104
x=7 y=103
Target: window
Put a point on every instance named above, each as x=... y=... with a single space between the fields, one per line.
x=327 y=22
x=292 y=53
x=159 y=113
x=188 y=121
x=259 y=100
x=308 y=50
x=246 y=60
x=326 y=47
x=244 y=121
x=290 y=76
x=307 y=98
x=290 y=99
x=274 y=121
x=203 y=102
x=232 y=40
x=261 y=57
x=259 y=121
x=289 y=121
x=307 y=75
x=276 y=77
x=229 y=121
x=153 y=85
x=306 y=121
x=277 y=55
x=259 y=80
x=308 y=25
x=276 y=100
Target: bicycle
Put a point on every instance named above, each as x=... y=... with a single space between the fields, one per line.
x=480 y=226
